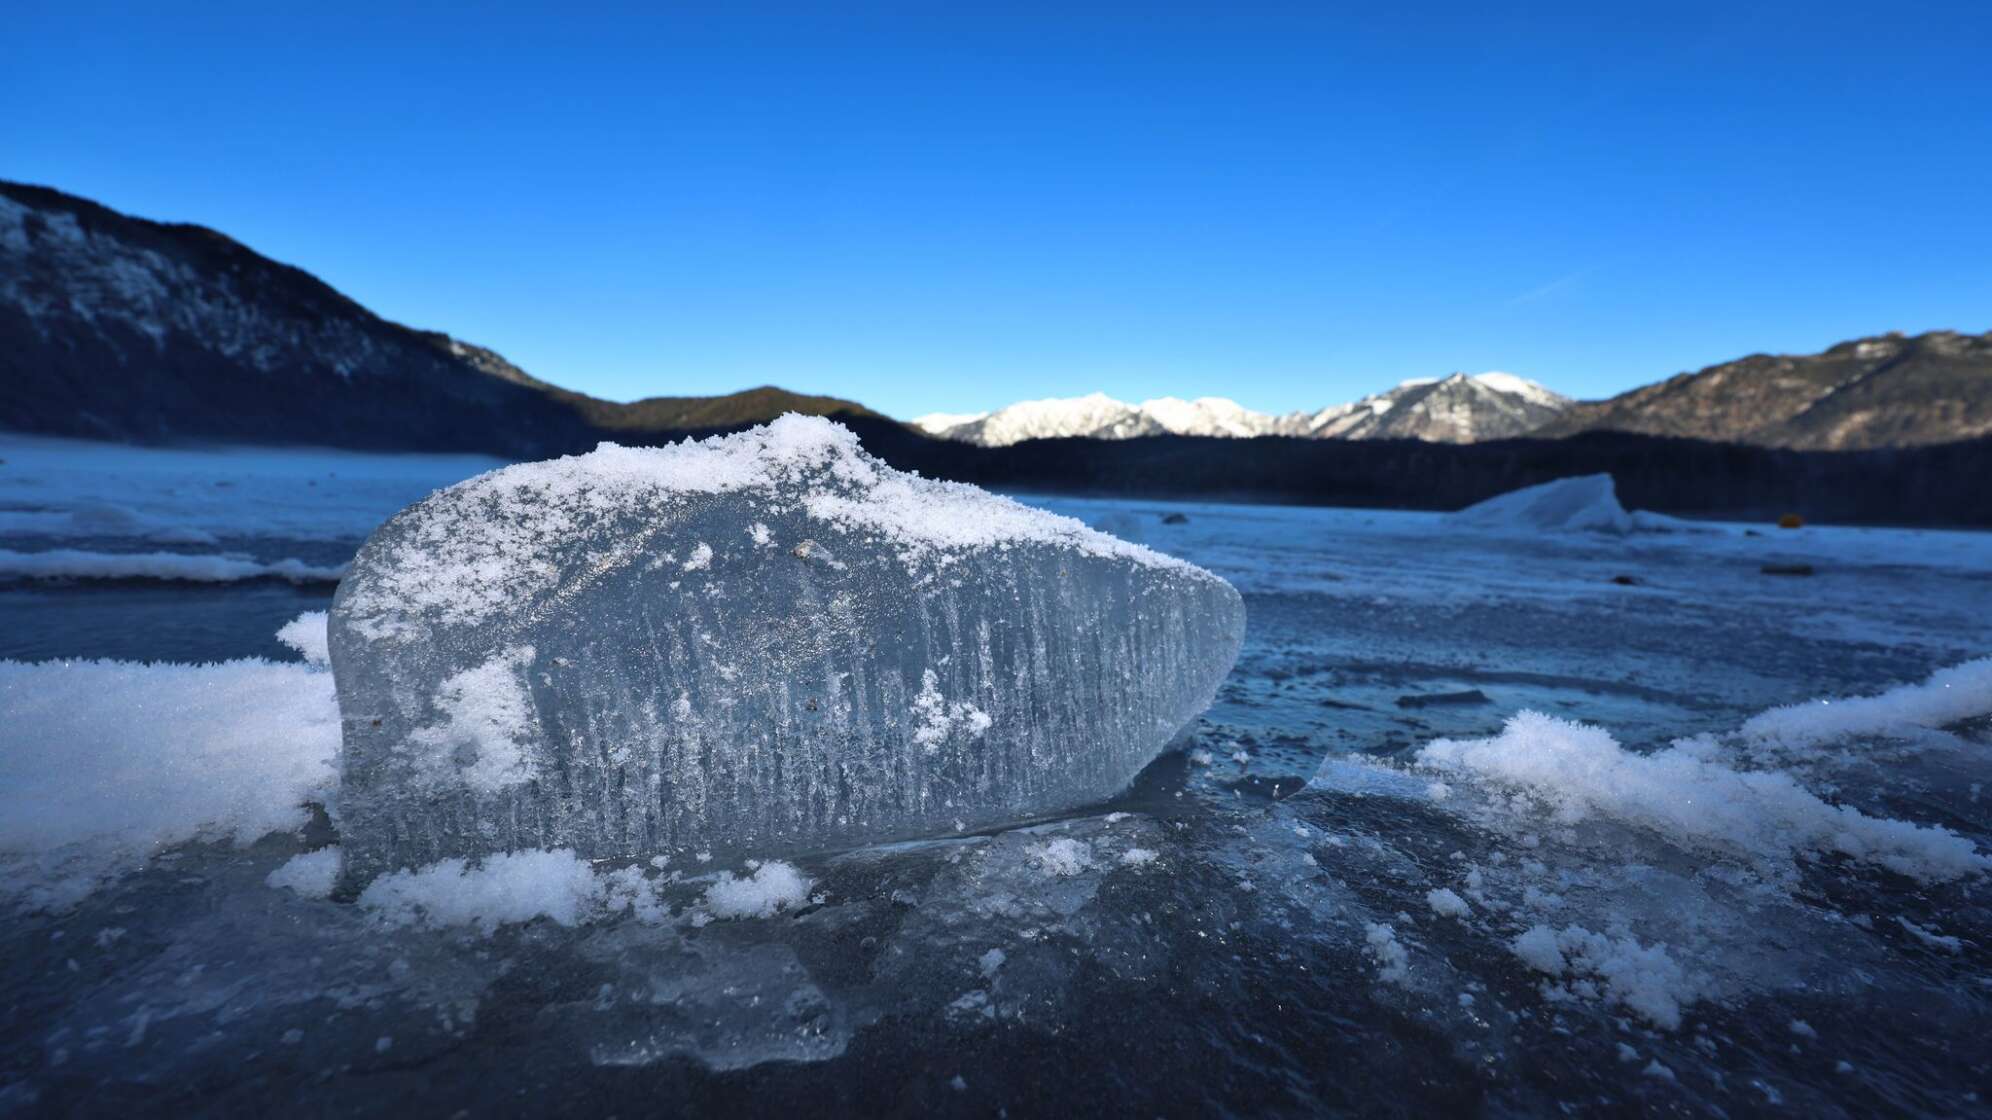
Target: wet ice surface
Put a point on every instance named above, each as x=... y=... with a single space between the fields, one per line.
x=1245 y=930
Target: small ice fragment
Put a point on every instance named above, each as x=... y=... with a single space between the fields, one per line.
x=1138 y=857
x=1930 y=937
x=310 y=874
x=1393 y=963
x=1062 y=857
x=1446 y=904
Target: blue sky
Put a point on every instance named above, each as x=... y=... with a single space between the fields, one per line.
x=949 y=206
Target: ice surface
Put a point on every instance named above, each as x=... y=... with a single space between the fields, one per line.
x=764 y=642
x=184 y=979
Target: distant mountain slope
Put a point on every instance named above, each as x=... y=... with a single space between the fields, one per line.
x=1886 y=391
x=122 y=328
x=1456 y=409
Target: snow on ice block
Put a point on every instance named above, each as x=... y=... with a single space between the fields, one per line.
x=766 y=642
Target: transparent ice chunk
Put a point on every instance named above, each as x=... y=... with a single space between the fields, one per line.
x=764 y=642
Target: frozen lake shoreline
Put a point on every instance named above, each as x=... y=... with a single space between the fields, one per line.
x=1288 y=890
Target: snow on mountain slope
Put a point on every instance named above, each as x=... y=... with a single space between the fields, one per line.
x=1456 y=409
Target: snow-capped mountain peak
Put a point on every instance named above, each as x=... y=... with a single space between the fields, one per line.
x=1461 y=408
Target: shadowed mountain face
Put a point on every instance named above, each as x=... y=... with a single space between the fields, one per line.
x=1889 y=391
x=115 y=327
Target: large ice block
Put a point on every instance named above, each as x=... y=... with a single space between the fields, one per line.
x=768 y=642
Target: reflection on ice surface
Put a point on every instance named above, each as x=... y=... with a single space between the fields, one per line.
x=1326 y=900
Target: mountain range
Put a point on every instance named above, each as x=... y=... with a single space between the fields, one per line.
x=1461 y=408
x=117 y=327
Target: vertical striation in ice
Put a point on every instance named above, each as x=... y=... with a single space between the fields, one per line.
x=768 y=641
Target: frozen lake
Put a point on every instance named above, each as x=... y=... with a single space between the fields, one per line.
x=1355 y=884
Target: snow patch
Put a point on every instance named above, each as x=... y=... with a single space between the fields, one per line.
x=1575 y=771
x=1643 y=978
x=307 y=635
x=936 y=720
x=487 y=723
x=773 y=887
x=1062 y=857
x=69 y=563
x=499 y=890
x=1957 y=693
x=103 y=763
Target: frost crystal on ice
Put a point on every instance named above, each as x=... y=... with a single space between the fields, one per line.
x=762 y=642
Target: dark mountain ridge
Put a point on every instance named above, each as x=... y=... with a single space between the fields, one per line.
x=115 y=327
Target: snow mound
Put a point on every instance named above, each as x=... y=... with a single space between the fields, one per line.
x=104 y=762
x=1958 y=693
x=1763 y=816
x=1588 y=503
x=1585 y=504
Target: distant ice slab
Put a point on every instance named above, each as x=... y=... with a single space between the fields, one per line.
x=764 y=642
x=1587 y=503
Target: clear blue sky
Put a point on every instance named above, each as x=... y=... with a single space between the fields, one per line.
x=945 y=205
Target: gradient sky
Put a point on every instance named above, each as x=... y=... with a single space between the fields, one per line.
x=950 y=206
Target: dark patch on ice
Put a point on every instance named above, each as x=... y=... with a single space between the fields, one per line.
x=1437 y=699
